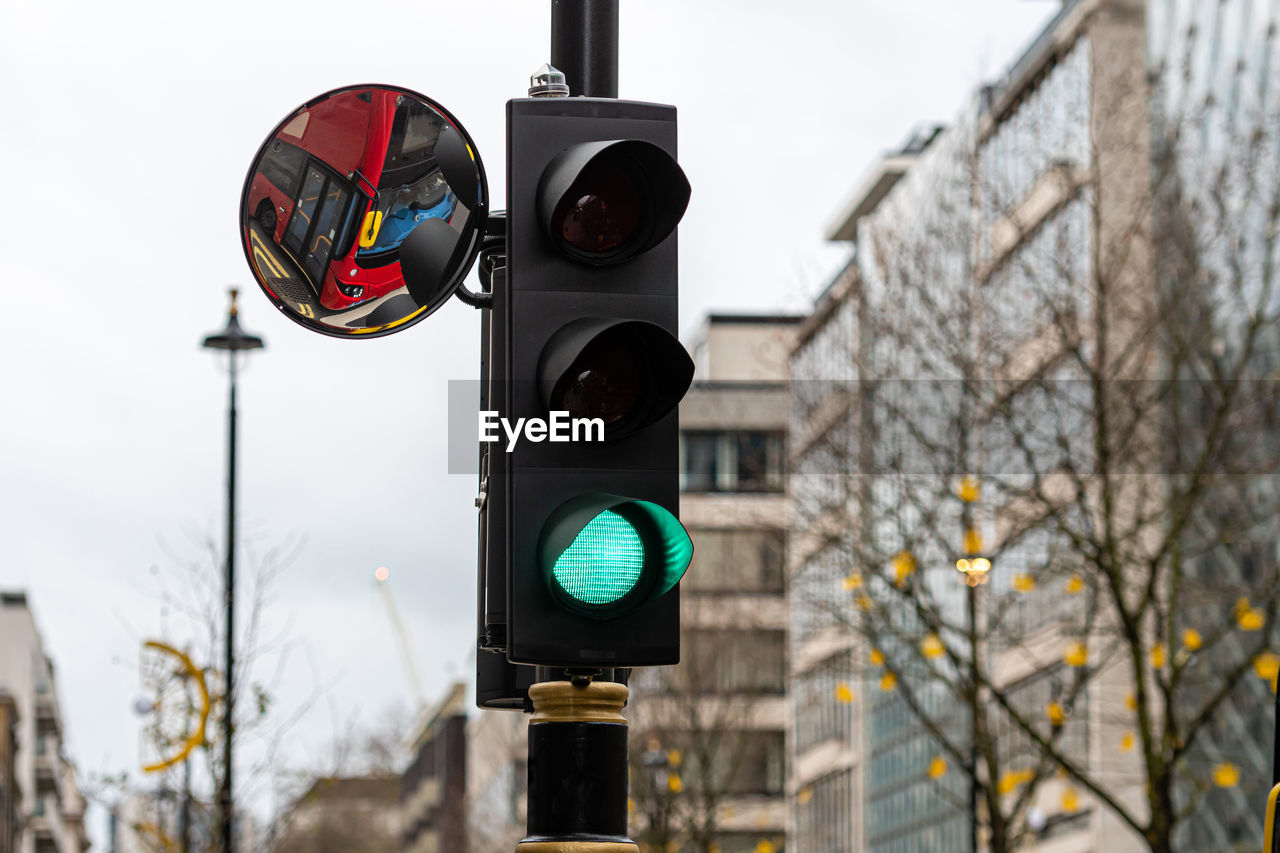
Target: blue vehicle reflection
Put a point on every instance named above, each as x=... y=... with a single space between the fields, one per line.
x=402 y=208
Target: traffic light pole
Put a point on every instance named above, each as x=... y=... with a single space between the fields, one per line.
x=584 y=45
x=577 y=795
x=594 y=550
x=577 y=769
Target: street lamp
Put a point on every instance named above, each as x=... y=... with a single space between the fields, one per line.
x=974 y=567
x=233 y=339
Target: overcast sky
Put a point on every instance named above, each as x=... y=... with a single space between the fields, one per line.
x=127 y=130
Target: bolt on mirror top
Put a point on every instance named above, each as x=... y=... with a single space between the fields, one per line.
x=364 y=210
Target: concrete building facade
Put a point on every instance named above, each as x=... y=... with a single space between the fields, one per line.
x=708 y=736
x=43 y=793
x=433 y=790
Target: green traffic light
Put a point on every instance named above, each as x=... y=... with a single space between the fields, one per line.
x=604 y=562
x=604 y=555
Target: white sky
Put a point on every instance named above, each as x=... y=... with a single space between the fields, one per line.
x=126 y=133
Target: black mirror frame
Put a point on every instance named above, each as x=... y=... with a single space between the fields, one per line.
x=468 y=248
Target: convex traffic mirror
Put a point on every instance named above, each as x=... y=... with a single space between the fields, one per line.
x=364 y=210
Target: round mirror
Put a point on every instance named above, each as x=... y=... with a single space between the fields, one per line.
x=364 y=210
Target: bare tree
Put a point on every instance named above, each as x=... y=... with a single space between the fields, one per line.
x=189 y=599
x=1052 y=493
x=697 y=742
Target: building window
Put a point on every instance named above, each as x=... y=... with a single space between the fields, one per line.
x=743 y=841
x=745 y=662
x=758 y=764
x=824 y=819
x=741 y=461
x=819 y=716
x=736 y=561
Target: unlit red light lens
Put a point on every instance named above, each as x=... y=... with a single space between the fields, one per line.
x=601 y=210
x=604 y=561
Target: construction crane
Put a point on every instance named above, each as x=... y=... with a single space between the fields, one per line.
x=383 y=576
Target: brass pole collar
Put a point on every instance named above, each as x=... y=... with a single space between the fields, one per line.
x=562 y=702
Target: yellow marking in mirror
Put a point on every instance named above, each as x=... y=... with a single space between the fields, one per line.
x=391 y=325
x=369 y=230
x=305 y=310
x=262 y=252
x=268 y=260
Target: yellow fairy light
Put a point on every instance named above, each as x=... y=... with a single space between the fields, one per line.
x=877 y=657
x=1056 y=713
x=1024 y=582
x=1249 y=618
x=931 y=647
x=969 y=489
x=1226 y=775
x=1076 y=655
x=1267 y=666
x=844 y=693
x=1126 y=742
x=1012 y=779
x=1191 y=639
x=888 y=682
x=1075 y=585
x=972 y=541
x=937 y=767
x=674 y=757
x=853 y=581
x=674 y=783
x=904 y=565
x=1157 y=656
x=1070 y=800
x=863 y=602
x=1131 y=702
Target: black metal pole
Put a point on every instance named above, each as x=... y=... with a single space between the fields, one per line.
x=184 y=816
x=225 y=802
x=233 y=339
x=184 y=813
x=1275 y=748
x=972 y=627
x=584 y=45
x=577 y=769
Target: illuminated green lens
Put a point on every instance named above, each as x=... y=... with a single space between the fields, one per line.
x=603 y=564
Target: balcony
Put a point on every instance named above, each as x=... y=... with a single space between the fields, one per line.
x=48 y=720
x=42 y=831
x=47 y=773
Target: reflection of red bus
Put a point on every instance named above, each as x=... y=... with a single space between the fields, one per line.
x=342 y=182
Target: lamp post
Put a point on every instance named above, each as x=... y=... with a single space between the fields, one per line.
x=974 y=567
x=232 y=339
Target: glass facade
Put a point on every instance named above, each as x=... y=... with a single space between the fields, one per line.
x=1217 y=98
x=823 y=823
x=995 y=235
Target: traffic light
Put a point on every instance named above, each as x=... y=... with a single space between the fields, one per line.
x=588 y=320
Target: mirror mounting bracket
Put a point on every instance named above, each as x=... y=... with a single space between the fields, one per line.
x=493 y=255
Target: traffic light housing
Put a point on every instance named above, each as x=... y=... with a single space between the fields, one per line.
x=588 y=319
